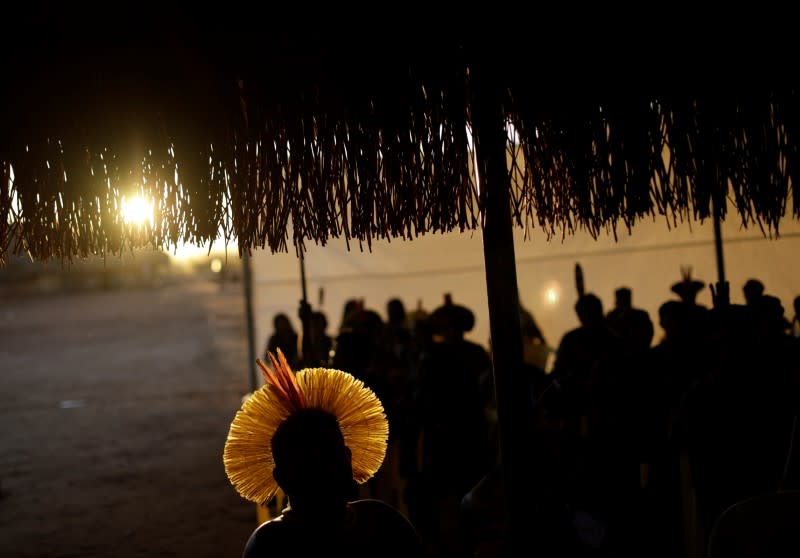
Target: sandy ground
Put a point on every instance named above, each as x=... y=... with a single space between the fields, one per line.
x=114 y=408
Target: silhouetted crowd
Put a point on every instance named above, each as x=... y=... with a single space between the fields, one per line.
x=642 y=437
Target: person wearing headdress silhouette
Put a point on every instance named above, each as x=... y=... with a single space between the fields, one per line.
x=687 y=288
x=314 y=435
x=697 y=317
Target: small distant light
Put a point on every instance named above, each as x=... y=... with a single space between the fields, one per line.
x=551 y=293
x=216 y=265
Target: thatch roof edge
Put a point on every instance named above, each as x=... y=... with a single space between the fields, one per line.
x=382 y=156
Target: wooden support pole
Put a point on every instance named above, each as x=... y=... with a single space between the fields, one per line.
x=250 y=326
x=511 y=388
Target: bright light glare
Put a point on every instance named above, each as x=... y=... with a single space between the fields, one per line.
x=190 y=252
x=216 y=265
x=551 y=293
x=137 y=211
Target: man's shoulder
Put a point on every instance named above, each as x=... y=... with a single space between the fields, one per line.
x=270 y=535
x=641 y=313
x=572 y=336
x=376 y=509
x=371 y=524
x=380 y=516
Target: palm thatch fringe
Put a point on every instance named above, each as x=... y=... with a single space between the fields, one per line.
x=384 y=172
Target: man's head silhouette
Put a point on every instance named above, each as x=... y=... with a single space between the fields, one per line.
x=312 y=462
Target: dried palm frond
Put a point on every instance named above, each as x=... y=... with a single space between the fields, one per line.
x=334 y=140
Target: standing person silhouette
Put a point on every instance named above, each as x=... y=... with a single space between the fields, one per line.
x=455 y=432
x=314 y=435
x=632 y=324
x=285 y=338
x=753 y=290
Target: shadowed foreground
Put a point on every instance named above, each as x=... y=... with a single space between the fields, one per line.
x=114 y=408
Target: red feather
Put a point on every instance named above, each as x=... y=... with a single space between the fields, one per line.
x=271 y=379
x=284 y=380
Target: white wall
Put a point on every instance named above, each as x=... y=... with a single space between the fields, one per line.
x=419 y=270
x=648 y=261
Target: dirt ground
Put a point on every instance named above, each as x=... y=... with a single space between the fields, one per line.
x=114 y=408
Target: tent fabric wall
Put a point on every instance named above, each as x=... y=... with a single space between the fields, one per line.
x=648 y=261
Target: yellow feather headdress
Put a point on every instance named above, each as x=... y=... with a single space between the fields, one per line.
x=248 y=458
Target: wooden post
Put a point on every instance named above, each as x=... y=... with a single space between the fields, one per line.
x=718 y=245
x=307 y=345
x=248 y=309
x=511 y=388
x=709 y=146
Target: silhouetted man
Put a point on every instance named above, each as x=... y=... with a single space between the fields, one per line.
x=632 y=324
x=313 y=467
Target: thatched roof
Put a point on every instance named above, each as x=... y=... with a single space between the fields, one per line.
x=364 y=135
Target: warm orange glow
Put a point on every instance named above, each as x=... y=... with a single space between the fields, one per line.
x=191 y=252
x=137 y=211
x=551 y=293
